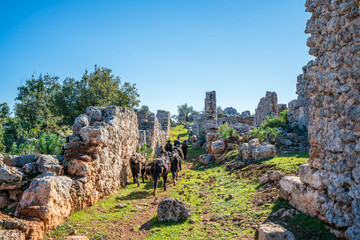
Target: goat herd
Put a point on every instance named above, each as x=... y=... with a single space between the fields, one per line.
x=159 y=167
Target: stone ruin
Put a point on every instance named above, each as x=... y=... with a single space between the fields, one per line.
x=96 y=164
x=230 y=111
x=299 y=109
x=329 y=185
x=151 y=131
x=164 y=120
x=268 y=105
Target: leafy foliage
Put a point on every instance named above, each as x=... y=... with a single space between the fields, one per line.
x=186 y=111
x=269 y=129
x=226 y=131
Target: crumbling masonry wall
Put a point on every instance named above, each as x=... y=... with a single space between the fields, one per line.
x=96 y=164
x=299 y=109
x=332 y=177
x=268 y=105
x=164 y=120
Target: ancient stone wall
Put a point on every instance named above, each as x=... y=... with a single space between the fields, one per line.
x=199 y=126
x=234 y=120
x=299 y=109
x=96 y=164
x=230 y=111
x=268 y=105
x=155 y=136
x=164 y=120
x=210 y=105
x=331 y=180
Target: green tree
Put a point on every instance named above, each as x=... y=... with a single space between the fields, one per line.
x=4 y=110
x=186 y=111
x=36 y=99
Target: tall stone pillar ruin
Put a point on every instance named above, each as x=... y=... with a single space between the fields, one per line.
x=268 y=105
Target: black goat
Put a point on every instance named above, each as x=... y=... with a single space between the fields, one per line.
x=160 y=167
x=137 y=162
x=175 y=166
x=180 y=152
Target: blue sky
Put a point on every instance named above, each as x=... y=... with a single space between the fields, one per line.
x=174 y=50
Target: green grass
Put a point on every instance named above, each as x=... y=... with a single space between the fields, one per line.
x=206 y=190
x=181 y=131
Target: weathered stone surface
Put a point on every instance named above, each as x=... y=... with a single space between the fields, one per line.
x=30 y=168
x=310 y=176
x=155 y=136
x=272 y=231
x=164 y=120
x=47 y=198
x=275 y=176
x=76 y=238
x=217 y=148
x=49 y=163
x=10 y=174
x=172 y=209
x=268 y=105
x=11 y=235
x=4 y=202
x=101 y=160
x=205 y=159
x=263 y=152
x=263 y=179
x=19 y=161
x=299 y=109
x=300 y=196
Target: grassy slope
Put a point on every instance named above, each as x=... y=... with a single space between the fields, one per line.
x=206 y=191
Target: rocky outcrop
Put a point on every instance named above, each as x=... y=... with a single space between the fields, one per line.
x=19 y=161
x=268 y=105
x=172 y=209
x=292 y=142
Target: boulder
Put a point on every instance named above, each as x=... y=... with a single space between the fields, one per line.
x=275 y=176
x=263 y=179
x=172 y=209
x=245 y=151
x=49 y=163
x=19 y=161
x=300 y=196
x=10 y=174
x=198 y=144
x=47 y=198
x=263 y=152
x=217 y=148
x=236 y=165
x=272 y=231
x=205 y=159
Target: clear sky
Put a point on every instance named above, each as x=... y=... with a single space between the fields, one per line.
x=174 y=50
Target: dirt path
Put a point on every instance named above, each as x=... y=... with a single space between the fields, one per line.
x=139 y=226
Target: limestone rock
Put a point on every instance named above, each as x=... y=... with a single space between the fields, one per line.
x=263 y=179
x=236 y=165
x=272 y=231
x=310 y=176
x=300 y=196
x=49 y=163
x=30 y=168
x=205 y=159
x=171 y=209
x=11 y=235
x=217 y=148
x=263 y=152
x=10 y=174
x=230 y=111
x=47 y=198
x=19 y=161
x=78 y=168
x=275 y=176
x=268 y=105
